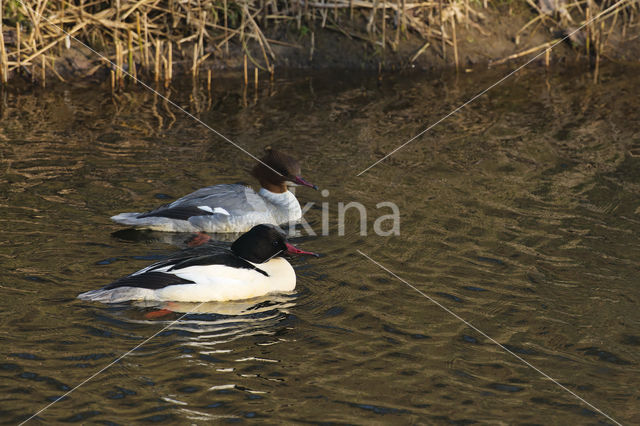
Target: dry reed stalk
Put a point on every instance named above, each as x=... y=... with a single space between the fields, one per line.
x=255 y=78
x=246 y=77
x=134 y=72
x=372 y=19
x=118 y=21
x=202 y=32
x=18 y=41
x=384 y=24
x=156 y=65
x=547 y=58
x=202 y=59
x=243 y=23
x=119 y=62
x=44 y=71
x=324 y=14
x=455 y=41
x=54 y=71
x=194 y=67
x=130 y=53
x=121 y=69
x=596 y=71
x=525 y=26
x=62 y=20
x=4 y=65
x=139 y=33
x=444 y=51
x=396 y=41
x=420 y=51
x=587 y=29
x=524 y=53
x=226 y=27
x=146 y=42
x=209 y=80
x=169 y=64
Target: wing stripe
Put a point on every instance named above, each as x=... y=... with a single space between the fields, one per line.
x=150 y=280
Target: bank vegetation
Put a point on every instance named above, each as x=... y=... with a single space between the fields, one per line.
x=162 y=38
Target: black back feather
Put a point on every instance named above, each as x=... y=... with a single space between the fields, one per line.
x=150 y=280
x=227 y=259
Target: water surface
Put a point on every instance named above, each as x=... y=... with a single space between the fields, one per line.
x=520 y=214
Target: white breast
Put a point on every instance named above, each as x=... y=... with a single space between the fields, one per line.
x=284 y=207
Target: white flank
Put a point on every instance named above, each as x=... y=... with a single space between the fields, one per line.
x=213 y=283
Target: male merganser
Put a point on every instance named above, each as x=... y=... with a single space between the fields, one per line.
x=231 y=207
x=252 y=267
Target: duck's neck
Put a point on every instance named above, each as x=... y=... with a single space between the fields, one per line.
x=276 y=188
x=286 y=206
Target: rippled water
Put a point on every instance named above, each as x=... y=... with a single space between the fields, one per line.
x=521 y=214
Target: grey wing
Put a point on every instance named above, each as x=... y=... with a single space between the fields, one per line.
x=227 y=199
x=234 y=198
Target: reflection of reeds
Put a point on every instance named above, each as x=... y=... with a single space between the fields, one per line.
x=189 y=31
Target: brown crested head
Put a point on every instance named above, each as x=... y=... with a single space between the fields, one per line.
x=283 y=170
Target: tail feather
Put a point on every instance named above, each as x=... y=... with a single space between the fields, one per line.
x=155 y=223
x=126 y=219
x=120 y=295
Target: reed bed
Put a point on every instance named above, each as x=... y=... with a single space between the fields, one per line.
x=159 y=38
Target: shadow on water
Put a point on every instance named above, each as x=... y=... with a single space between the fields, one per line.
x=520 y=213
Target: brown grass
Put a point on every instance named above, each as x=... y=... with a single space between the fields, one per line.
x=149 y=37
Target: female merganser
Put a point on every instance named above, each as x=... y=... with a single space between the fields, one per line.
x=252 y=267
x=231 y=207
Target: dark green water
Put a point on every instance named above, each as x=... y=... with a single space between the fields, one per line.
x=521 y=214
